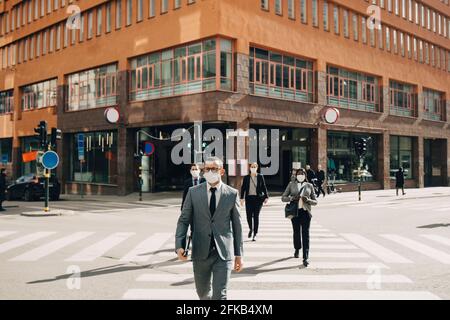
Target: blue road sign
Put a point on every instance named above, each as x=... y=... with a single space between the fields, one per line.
x=50 y=160
x=5 y=158
x=149 y=148
x=80 y=146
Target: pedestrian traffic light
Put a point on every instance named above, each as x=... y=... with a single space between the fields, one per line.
x=361 y=147
x=55 y=135
x=41 y=134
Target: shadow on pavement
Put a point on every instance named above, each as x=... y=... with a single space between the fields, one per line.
x=436 y=225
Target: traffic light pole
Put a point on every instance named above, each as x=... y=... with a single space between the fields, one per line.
x=360 y=178
x=47 y=186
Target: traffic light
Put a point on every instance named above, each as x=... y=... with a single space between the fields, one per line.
x=41 y=134
x=361 y=147
x=55 y=135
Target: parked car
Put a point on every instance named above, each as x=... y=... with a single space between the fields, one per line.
x=30 y=187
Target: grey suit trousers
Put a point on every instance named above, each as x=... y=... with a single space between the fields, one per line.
x=219 y=270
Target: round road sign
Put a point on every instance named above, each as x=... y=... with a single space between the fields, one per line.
x=50 y=160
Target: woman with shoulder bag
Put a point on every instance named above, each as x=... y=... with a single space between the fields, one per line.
x=301 y=192
x=254 y=191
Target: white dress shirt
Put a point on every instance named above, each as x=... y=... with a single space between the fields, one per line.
x=218 y=192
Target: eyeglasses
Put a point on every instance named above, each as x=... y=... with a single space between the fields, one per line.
x=213 y=170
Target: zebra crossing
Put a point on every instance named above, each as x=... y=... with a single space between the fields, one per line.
x=343 y=265
x=393 y=204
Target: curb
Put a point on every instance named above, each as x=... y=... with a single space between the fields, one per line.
x=53 y=213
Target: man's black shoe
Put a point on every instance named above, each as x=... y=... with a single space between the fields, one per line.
x=296 y=253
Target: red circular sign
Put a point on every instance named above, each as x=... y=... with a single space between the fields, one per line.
x=331 y=115
x=112 y=115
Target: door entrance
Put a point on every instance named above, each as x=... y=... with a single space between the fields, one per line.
x=435 y=162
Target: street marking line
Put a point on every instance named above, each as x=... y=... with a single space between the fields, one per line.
x=12 y=244
x=294 y=263
x=313 y=246
x=6 y=233
x=442 y=209
x=51 y=247
x=263 y=238
x=437 y=238
x=189 y=294
x=281 y=278
x=428 y=251
x=386 y=255
x=283 y=254
x=141 y=252
x=100 y=248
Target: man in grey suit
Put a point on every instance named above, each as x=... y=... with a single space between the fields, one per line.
x=213 y=210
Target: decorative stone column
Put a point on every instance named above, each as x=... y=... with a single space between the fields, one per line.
x=419 y=161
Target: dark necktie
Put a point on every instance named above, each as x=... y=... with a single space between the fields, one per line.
x=195 y=181
x=212 y=201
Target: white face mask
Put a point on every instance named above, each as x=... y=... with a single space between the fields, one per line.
x=195 y=173
x=253 y=170
x=301 y=178
x=212 y=178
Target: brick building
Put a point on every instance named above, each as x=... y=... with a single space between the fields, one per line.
x=230 y=64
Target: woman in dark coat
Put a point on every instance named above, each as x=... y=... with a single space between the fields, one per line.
x=254 y=191
x=400 y=180
x=301 y=190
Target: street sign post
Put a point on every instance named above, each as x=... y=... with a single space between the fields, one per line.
x=50 y=161
x=80 y=144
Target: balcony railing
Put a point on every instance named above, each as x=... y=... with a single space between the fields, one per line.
x=436 y=111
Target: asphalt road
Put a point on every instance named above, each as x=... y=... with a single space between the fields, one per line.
x=385 y=247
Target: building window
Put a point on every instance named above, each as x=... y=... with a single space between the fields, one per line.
x=66 y=36
x=177 y=4
x=151 y=8
x=278 y=7
x=434 y=105
x=336 y=19
x=82 y=27
x=315 y=13
x=182 y=70
x=58 y=37
x=355 y=26
x=129 y=11
x=108 y=17
x=291 y=9
x=52 y=40
x=401 y=156
x=281 y=76
x=264 y=4
x=164 y=6
x=139 y=10
x=402 y=99
x=90 y=24
x=352 y=90
x=6 y=102
x=343 y=163
x=118 y=14
x=303 y=11
x=6 y=148
x=99 y=21
x=39 y=95
x=92 y=88
x=326 y=24
x=363 y=30
x=345 y=17
x=100 y=158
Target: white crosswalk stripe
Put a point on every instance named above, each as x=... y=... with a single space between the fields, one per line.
x=97 y=250
x=375 y=249
x=141 y=253
x=436 y=238
x=268 y=266
x=12 y=244
x=423 y=249
x=6 y=233
x=288 y=294
x=284 y=254
x=51 y=247
x=281 y=278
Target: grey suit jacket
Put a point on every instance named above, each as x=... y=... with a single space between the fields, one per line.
x=308 y=191
x=225 y=225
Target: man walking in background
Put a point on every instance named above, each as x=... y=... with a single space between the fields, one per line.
x=213 y=210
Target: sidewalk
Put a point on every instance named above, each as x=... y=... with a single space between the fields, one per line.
x=174 y=197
